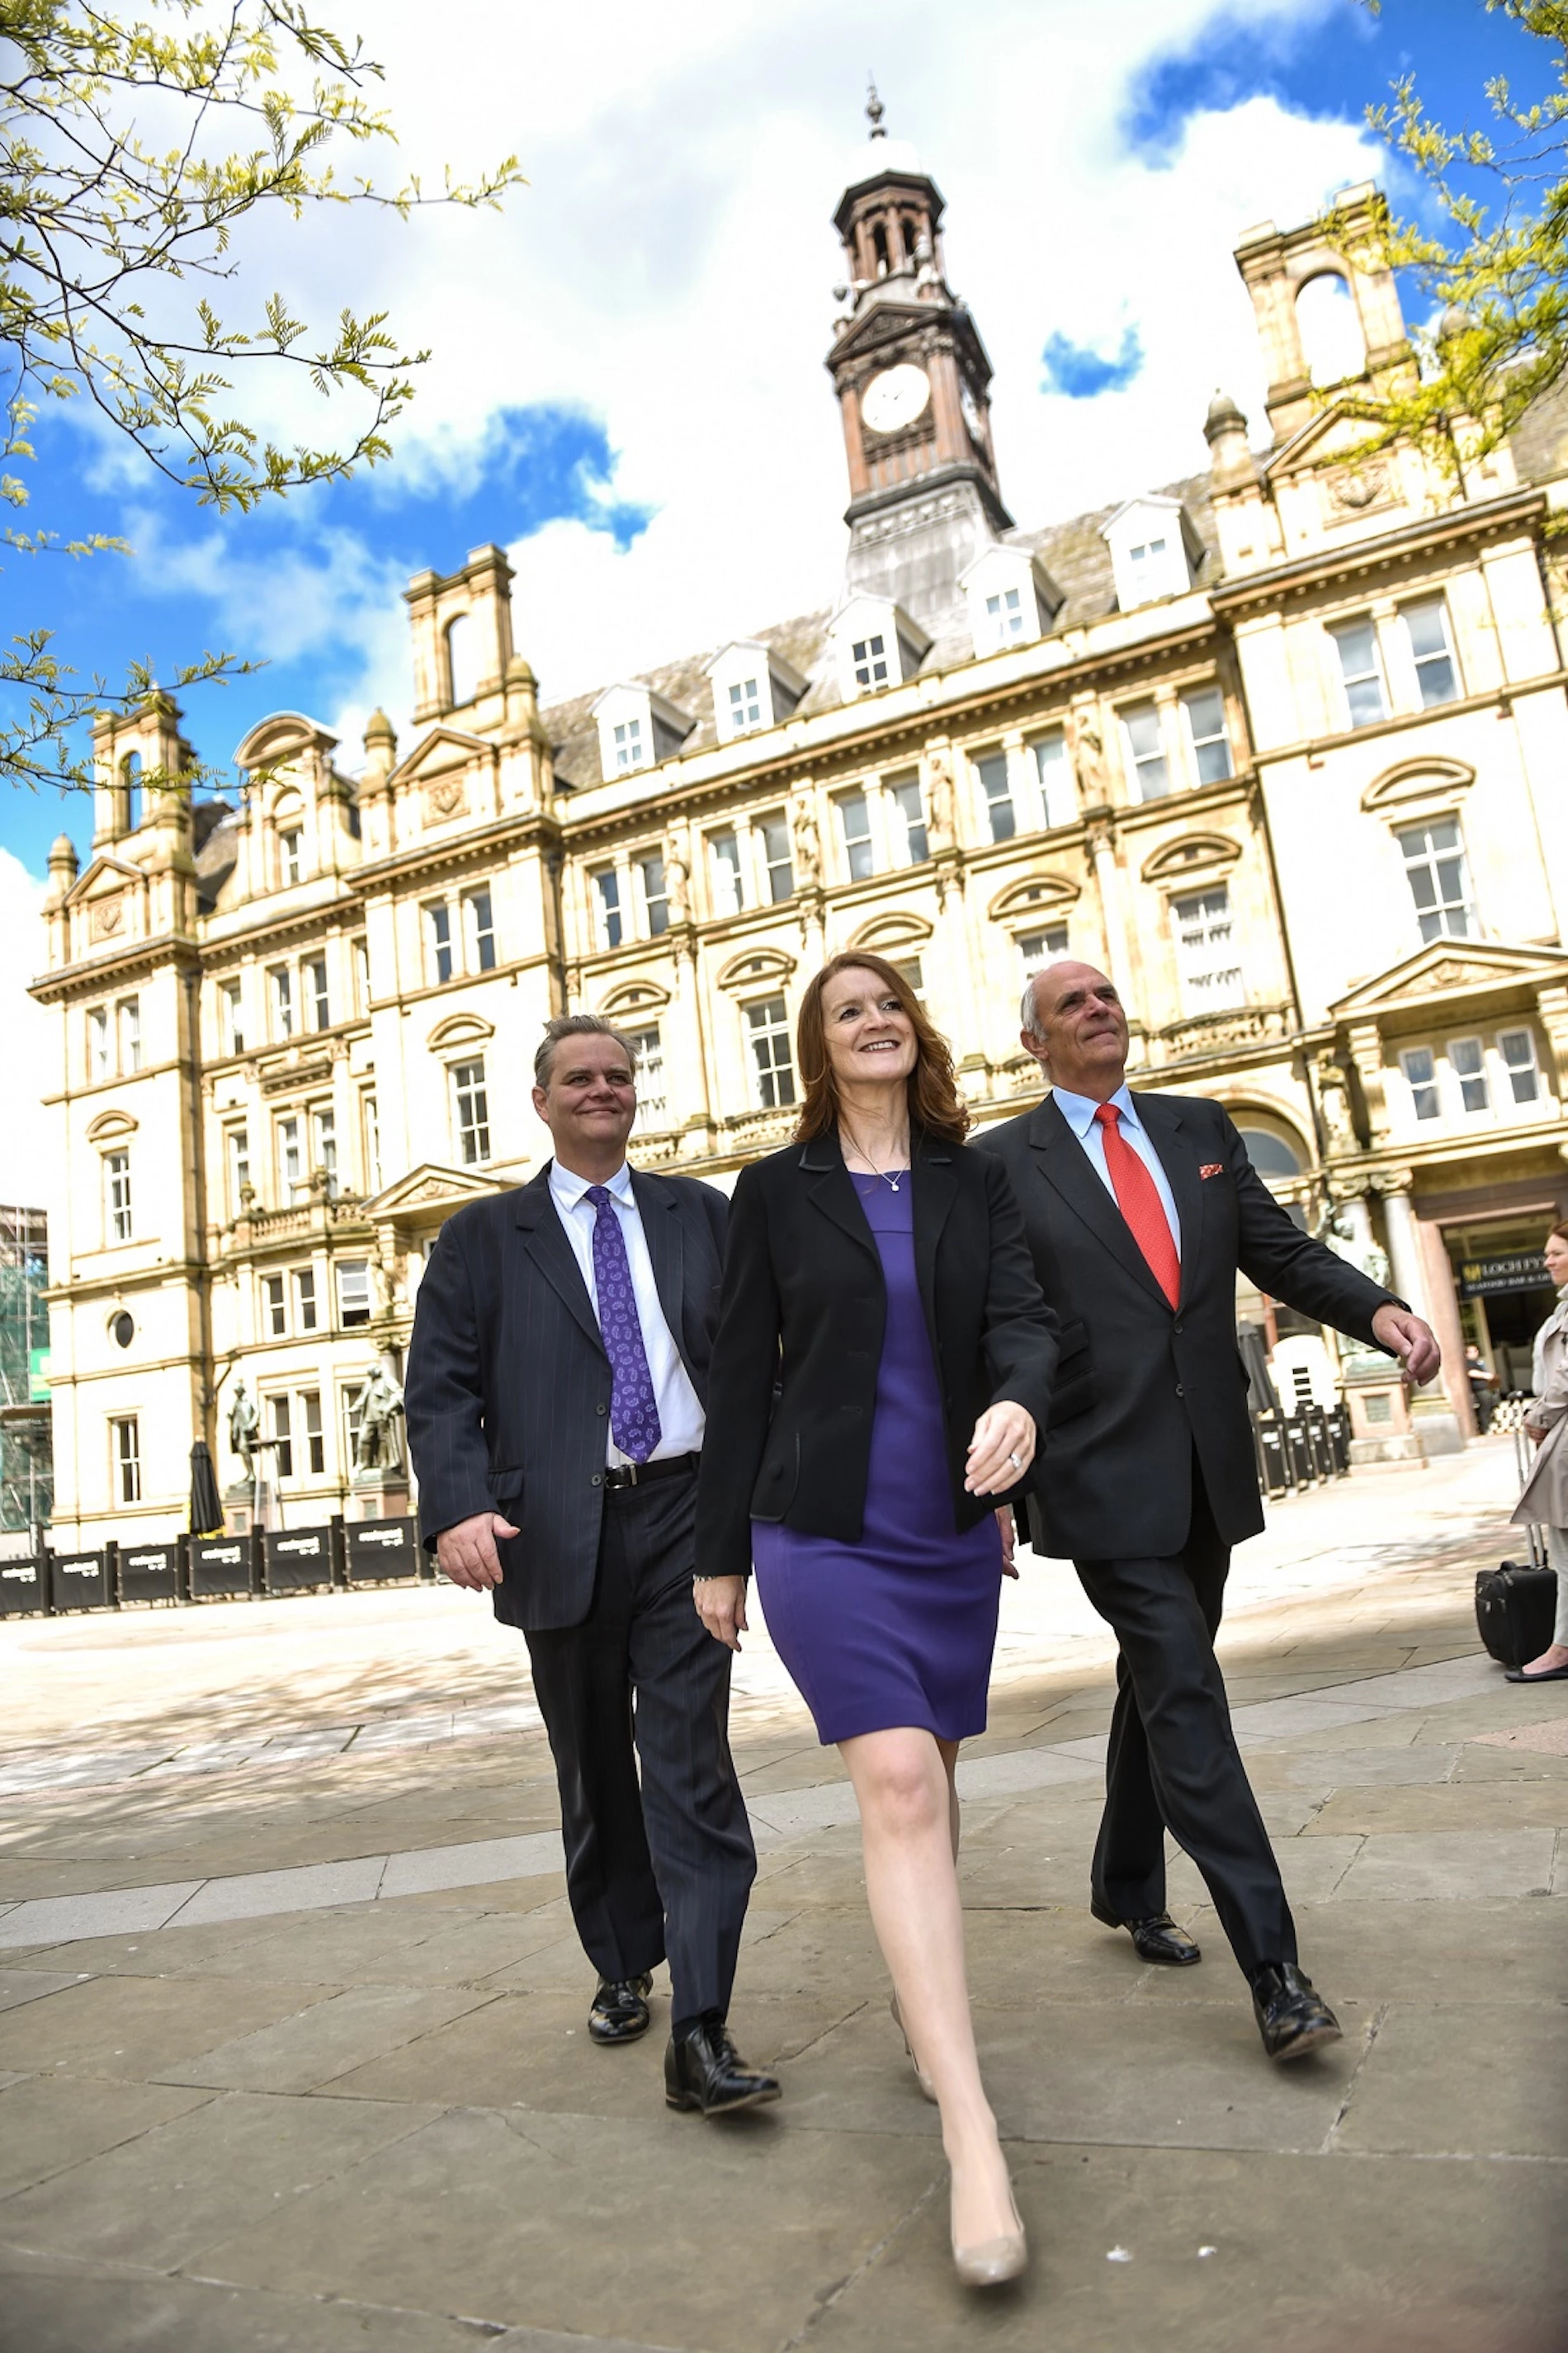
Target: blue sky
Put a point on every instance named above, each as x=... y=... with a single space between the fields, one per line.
x=627 y=390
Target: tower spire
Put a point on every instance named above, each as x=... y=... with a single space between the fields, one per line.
x=875 y=110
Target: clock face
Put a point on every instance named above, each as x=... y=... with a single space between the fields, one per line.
x=970 y=408
x=896 y=397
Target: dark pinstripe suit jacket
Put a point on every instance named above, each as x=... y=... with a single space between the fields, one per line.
x=508 y=1389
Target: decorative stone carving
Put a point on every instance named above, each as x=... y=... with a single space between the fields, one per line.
x=1334 y=1094
x=244 y=1423
x=1088 y=760
x=379 y=1407
x=1356 y=489
x=805 y=843
x=678 y=877
x=1348 y=1236
x=108 y=915
x=446 y=796
x=942 y=801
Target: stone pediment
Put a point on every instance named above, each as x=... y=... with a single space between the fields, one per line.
x=1314 y=444
x=103 y=879
x=886 y=935
x=432 y=1186
x=1037 y=895
x=284 y=736
x=881 y=324
x=1446 y=968
x=438 y=753
x=1195 y=856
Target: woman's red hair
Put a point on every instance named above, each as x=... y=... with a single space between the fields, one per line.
x=936 y=1107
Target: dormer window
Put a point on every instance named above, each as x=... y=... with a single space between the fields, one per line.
x=745 y=705
x=878 y=645
x=629 y=749
x=870 y=659
x=637 y=728
x=753 y=687
x=1154 y=549
x=291 y=853
x=1005 y=615
x=1011 y=599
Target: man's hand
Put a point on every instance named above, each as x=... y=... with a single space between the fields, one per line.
x=1414 y=1342
x=1010 y=1538
x=466 y=1552
x=721 y=1605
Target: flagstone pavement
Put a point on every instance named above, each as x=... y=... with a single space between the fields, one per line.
x=292 y=2021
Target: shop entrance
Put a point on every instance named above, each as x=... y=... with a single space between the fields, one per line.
x=1504 y=1293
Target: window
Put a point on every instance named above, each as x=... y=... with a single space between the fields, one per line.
x=855 y=818
x=117 y=1196
x=991 y=770
x=98 y=1043
x=462 y=659
x=904 y=792
x=777 y=858
x=1146 y=751
x=470 y=1112
x=1004 y=616
x=648 y=1063
x=290 y=846
x=1359 y=668
x=125 y=1436
x=231 y=1007
x=481 y=932
x=361 y=975
x=438 y=922
x=291 y=1172
x=238 y=1167
x=655 y=894
x=728 y=895
x=314 y=976
x=1274 y=1159
x=768 y=1025
x=745 y=706
x=1148 y=567
x=1058 y=806
x=372 y=1146
x=325 y=1155
x=869 y=658
x=315 y=1444
x=909 y=968
x=1466 y=1059
x=282 y=1437
x=128 y=1015
x=1206 y=950
x=1420 y=1068
x=1517 y=1048
x=1037 y=948
x=1205 y=730
x=1426 y=624
x=1435 y=865
x=282 y=1001
x=353 y=1291
x=274 y=1317
x=629 y=743
x=607 y=906
x=305 y=1298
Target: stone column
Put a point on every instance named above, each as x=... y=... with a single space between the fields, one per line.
x=1101 y=834
x=1443 y=1304
x=1406 y=1274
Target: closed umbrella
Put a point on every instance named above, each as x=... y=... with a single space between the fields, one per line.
x=206 y=1510
x=1261 y=1392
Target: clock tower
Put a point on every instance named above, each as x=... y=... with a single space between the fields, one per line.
x=912 y=381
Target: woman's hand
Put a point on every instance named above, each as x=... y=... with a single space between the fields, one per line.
x=722 y=1606
x=1009 y=1539
x=1001 y=1450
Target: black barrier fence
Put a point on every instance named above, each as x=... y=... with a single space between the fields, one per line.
x=1301 y=1449
x=24 y=1585
x=297 y=1559
x=374 y=1549
x=213 y=1568
x=219 y=1567
x=80 y=1580
x=149 y=1572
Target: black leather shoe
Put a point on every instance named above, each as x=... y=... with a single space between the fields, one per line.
x=1291 y=2017
x=705 y=2071
x=1158 y=1939
x=619 y=2011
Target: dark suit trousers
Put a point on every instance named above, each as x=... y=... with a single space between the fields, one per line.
x=1172 y=1761
x=661 y=1865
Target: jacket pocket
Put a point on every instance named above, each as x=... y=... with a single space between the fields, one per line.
x=506 y=1486
x=776 y=1483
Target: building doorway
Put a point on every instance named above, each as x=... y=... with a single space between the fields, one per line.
x=1504 y=1294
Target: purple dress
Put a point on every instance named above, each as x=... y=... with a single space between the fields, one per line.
x=898 y=1629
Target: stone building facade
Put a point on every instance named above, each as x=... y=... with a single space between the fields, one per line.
x=1282 y=746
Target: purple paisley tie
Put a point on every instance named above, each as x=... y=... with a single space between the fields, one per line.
x=634 y=1412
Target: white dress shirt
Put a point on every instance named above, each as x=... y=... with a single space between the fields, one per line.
x=1079 y=1112
x=681 y=1417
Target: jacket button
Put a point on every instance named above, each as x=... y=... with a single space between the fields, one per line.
x=1176 y=1327
x=605 y=1408
x=1180 y=1390
x=598 y=1476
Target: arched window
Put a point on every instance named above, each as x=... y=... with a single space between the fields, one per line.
x=131 y=785
x=1331 y=331
x=1276 y=1161
x=462 y=661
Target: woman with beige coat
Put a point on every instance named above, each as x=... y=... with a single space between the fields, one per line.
x=1545 y=1497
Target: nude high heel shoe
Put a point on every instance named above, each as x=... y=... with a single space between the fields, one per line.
x=992 y=2262
x=921 y=2078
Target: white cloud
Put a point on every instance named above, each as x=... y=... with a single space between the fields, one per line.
x=32 y=1167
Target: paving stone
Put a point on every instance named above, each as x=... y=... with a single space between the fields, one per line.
x=44 y=2311
x=1352 y=1769
x=137 y=2028
x=19 y=1986
x=1457 y=1866
x=55 y=1919
x=325 y=2041
x=1448 y=1807
x=1471 y=2080
x=47 y=2122
x=247 y=1894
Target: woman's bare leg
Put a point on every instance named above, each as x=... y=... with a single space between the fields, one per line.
x=904 y=1786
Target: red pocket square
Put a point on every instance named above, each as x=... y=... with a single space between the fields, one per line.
x=1212 y=1169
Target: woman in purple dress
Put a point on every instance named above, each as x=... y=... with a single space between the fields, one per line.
x=882 y=1364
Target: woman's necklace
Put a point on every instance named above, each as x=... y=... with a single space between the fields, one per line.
x=889 y=1176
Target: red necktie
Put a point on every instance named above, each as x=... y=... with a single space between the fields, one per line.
x=1139 y=1202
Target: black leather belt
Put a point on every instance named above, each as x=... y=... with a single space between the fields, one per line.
x=637 y=1474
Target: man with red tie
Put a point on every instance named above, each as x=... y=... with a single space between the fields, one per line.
x=1139 y=1209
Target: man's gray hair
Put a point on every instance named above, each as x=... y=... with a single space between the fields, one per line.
x=1030 y=1006
x=562 y=1026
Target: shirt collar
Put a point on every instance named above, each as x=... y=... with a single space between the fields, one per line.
x=568 y=1188
x=1078 y=1109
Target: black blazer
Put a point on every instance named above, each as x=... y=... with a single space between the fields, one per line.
x=800 y=1339
x=1140 y=1385
x=508 y=1390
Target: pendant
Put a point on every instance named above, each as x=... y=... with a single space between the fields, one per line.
x=892 y=1181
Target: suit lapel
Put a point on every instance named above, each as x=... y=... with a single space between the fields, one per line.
x=552 y=1254
x=934 y=1183
x=1067 y=1165
x=665 y=1235
x=1163 y=1121
x=830 y=1190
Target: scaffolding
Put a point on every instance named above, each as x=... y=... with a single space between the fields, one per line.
x=26 y=1441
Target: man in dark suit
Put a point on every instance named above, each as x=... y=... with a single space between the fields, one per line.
x=1139 y=1210
x=557 y=1382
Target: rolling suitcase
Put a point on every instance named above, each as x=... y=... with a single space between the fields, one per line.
x=1515 y=1608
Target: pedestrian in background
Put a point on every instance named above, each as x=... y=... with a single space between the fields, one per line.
x=1545 y=1497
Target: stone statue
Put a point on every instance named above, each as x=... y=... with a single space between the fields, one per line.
x=1350 y=1238
x=677 y=877
x=377 y=1407
x=1089 y=759
x=805 y=843
x=942 y=802
x=243 y=1422
x=1334 y=1094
